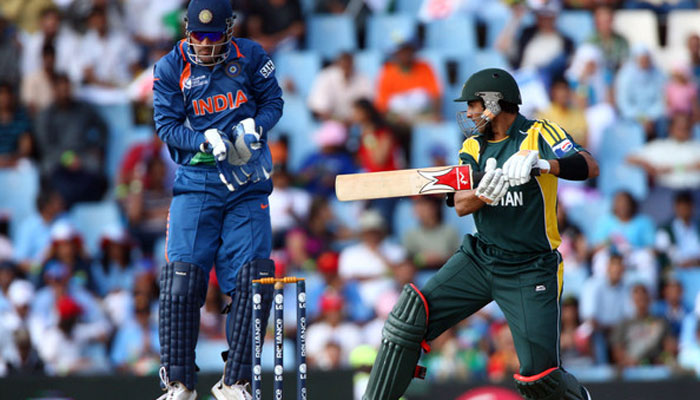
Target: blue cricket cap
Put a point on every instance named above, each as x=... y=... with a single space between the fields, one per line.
x=208 y=15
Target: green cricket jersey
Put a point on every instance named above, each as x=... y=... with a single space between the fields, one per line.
x=525 y=220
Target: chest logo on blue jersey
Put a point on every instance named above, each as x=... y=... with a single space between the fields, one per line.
x=194 y=81
x=233 y=69
x=219 y=103
x=562 y=148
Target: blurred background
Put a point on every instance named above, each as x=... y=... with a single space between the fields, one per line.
x=85 y=183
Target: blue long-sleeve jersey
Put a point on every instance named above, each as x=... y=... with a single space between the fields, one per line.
x=189 y=99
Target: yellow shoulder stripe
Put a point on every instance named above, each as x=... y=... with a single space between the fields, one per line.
x=557 y=129
x=471 y=147
x=548 y=133
x=531 y=141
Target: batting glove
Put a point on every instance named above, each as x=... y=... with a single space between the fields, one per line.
x=493 y=185
x=518 y=167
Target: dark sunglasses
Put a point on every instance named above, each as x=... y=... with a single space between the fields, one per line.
x=212 y=36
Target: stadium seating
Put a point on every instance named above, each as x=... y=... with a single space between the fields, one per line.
x=681 y=24
x=369 y=62
x=620 y=140
x=454 y=36
x=438 y=61
x=297 y=124
x=409 y=6
x=690 y=278
x=576 y=24
x=301 y=67
x=339 y=27
x=637 y=26
x=427 y=136
x=119 y=119
x=91 y=220
x=386 y=31
x=404 y=219
x=20 y=187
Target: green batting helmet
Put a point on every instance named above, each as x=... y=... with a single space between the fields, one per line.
x=491 y=80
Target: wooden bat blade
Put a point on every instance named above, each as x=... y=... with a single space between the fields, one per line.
x=401 y=183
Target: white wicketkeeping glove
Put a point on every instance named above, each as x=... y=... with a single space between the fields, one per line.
x=493 y=185
x=246 y=142
x=517 y=168
x=216 y=144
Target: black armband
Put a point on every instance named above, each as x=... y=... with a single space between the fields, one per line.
x=573 y=168
x=450 y=199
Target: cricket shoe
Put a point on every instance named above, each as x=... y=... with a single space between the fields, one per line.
x=175 y=390
x=222 y=391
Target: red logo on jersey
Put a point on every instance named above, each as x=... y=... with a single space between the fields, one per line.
x=218 y=103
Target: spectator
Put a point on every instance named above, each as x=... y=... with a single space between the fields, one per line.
x=447 y=360
x=37 y=88
x=336 y=88
x=289 y=206
x=319 y=169
x=625 y=228
x=408 y=90
x=574 y=345
x=133 y=167
x=44 y=315
x=638 y=341
x=566 y=111
x=277 y=25
x=588 y=77
x=503 y=362
x=297 y=251
x=331 y=328
x=53 y=33
x=19 y=295
x=681 y=91
x=71 y=138
x=7 y=275
x=62 y=347
x=147 y=205
x=613 y=45
x=67 y=248
x=108 y=57
x=323 y=228
x=432 y=242
x=693 y=47
x=671 y=307
x=679 y=240
x=541 y=46
x=674 y=162
x=371 y=260
x=114 y=271
x=34 y=232
x=639 y=90
x=379 y=148
x=689 y=356
x=27 y=362
x=15 y=128
x=604 y=304
x=10 y=51
x=135 y=348
x=6 y=244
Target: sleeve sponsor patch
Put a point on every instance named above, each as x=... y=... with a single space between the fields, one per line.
x=563 y=147
x=267 y=69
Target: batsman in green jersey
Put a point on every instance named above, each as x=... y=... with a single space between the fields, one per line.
x=513 y=259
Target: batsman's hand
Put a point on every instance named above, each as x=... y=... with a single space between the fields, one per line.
x=517 y=168
x=493 y=185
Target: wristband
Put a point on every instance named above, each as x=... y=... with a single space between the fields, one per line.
x=573 y=168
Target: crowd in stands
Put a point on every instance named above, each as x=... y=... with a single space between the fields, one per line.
x=85 y=183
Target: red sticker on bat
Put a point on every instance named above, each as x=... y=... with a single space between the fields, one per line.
x=455 y=178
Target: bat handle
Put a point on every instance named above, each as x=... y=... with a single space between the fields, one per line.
x=478 y=175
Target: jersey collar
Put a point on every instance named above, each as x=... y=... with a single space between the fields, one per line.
x=519 y=126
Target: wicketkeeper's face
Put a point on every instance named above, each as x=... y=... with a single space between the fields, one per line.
x=208 y=46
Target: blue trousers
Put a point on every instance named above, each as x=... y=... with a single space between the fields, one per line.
x=208 y=225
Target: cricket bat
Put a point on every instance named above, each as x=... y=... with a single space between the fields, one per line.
x=408 y=182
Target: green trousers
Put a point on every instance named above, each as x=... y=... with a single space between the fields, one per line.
x=526 y=287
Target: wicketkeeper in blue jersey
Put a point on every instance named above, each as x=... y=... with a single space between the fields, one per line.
x=215 y=99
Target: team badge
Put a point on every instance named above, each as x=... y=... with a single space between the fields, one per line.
x=563 y=147
x=233 y=69
x=205 y=16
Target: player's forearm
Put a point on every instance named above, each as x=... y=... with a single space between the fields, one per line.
x=466 y=202
x=179 y=137
x=591 y=166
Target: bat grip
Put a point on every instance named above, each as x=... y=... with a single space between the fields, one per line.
x=478 y=175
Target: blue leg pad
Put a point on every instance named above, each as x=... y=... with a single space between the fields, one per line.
x=238 y=324
x=183 y=288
